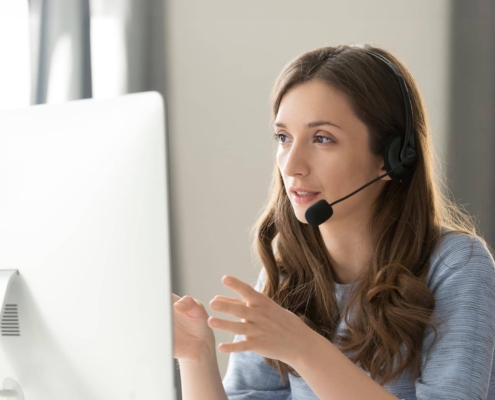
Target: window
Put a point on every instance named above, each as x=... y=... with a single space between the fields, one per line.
x=15 y=72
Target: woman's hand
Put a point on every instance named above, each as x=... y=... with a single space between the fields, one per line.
x=269 y=329
x=193 y=338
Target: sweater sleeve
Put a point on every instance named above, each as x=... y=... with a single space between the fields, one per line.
x=249 y=377
x=458 y=365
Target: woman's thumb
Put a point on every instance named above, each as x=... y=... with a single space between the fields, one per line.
x=190 y=306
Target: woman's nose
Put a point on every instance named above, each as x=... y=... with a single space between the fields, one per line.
x=295 y=161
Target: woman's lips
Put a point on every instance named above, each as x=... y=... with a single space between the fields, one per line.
x=304 y=199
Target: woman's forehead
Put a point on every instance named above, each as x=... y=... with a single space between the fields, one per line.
x=316 y=101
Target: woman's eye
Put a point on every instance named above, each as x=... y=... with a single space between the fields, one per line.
x=324 y=139
x=280 y=137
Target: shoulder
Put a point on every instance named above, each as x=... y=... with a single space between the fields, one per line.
x=457 y=352
x=465 y=256
x=261 y=280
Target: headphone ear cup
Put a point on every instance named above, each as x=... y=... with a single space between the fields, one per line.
x=391 y=153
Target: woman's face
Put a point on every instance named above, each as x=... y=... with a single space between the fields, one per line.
x=323 y=150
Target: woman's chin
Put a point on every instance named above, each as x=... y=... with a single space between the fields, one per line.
x=300 y=215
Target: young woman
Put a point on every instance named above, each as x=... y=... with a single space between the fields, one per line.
x=392 y=297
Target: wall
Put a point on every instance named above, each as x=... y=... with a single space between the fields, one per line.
x=472 y=120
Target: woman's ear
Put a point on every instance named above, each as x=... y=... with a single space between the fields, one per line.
x=383 y=171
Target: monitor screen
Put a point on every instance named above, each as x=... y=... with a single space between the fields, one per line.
x=85 y=282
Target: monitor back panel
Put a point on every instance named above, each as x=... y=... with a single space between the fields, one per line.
x=84 y=219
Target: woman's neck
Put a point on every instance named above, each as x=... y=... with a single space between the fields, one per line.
x=350 y=249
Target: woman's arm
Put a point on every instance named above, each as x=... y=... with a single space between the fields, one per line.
x=201 y=379
x=331 y=375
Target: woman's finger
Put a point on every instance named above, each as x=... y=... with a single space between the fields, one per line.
x=175 y=298
x=190 y=306
x=239 y=328
x=228 y=299
x=240 y=310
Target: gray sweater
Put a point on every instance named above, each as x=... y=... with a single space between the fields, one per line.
x=458 y=367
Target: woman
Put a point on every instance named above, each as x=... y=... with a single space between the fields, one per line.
x=392 y=297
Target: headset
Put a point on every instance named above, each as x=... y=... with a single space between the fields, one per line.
x=399 y=152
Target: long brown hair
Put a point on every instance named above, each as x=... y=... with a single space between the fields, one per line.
x=392 y=303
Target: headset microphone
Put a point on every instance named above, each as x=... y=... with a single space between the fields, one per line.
x=321 y=211
x=399 y=154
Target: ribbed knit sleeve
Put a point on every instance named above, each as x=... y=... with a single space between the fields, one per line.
x=459 y=365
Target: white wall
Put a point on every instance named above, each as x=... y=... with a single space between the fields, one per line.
x=222 y=60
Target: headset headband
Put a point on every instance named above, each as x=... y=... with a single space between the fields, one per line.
x=408 y=137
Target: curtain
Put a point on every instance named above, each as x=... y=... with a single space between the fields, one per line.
x=60 y=51
x=95 y=48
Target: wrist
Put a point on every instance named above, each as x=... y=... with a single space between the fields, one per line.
x=205 y=355
x=304 y=347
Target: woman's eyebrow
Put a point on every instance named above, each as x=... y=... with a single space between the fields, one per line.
x=311 y=124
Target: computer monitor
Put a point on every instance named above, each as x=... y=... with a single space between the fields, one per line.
x=85 y=279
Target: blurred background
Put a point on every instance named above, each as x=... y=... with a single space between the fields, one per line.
x=215 y=63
